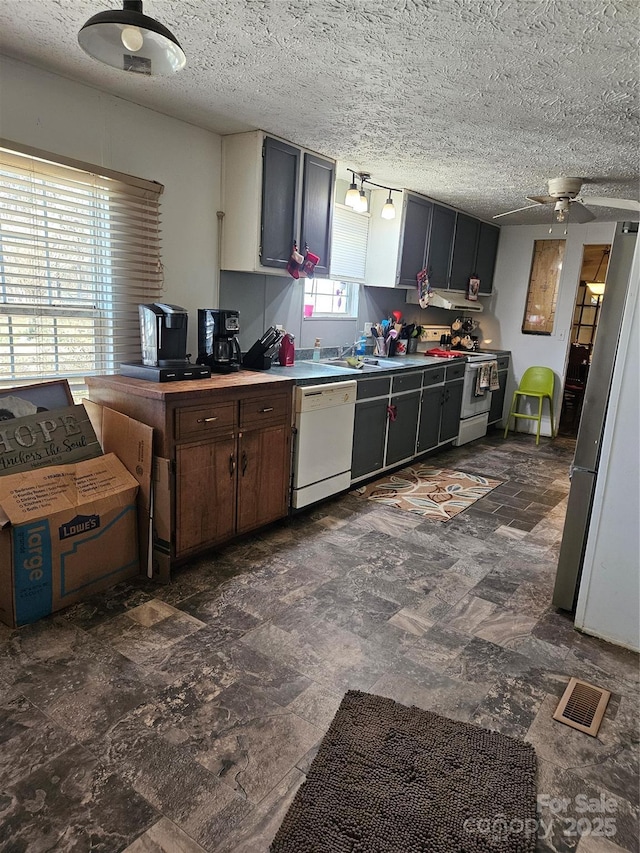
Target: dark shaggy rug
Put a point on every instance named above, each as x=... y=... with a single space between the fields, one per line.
x=392 y=779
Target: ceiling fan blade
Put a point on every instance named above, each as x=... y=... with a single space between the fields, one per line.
x=517 y=210
x=542 y=199
x=579 y=213
x=619 y=203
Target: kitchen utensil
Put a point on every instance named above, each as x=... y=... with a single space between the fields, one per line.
x=374 y=331
x=397 y=315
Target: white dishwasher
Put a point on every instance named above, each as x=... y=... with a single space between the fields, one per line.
x=323 y=442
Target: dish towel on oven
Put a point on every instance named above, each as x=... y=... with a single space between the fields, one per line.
x=487 y=378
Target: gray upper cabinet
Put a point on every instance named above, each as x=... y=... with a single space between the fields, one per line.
x=317 y=209
x=464 y=251
x=273 y=194
x=487 y=250
x=443 y=226
x=279 y=202
x=417 y=222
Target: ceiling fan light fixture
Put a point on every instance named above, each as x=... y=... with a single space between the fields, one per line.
x=561 y=209
x=131 y=41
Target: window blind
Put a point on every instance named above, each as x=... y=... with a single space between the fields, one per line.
x=79 y=250
x=350 y=233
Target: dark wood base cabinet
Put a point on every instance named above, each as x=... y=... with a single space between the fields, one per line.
x=228 y=444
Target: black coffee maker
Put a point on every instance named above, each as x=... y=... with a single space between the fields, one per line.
x=163 y=332
x=218 y=345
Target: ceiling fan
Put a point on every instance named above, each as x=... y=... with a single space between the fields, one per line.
x=563 y=194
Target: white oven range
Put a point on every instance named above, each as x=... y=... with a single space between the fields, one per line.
x=474 y=415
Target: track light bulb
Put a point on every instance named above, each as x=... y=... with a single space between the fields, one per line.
x=362 y=205
x=388 y=211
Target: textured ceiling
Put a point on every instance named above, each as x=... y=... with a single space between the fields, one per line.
x=472 y=102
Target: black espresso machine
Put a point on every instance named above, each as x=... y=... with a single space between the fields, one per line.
x=163 y=337
x=218 y=345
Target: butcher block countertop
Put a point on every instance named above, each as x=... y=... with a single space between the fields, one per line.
x=191 y=389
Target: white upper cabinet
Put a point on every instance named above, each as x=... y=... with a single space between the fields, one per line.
x=274 y=195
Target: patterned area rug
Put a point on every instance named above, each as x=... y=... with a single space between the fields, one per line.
x=437 y=493
x=393 y=779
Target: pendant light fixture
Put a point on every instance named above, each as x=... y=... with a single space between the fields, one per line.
x=352 y=197
x=388 y=211
x=362 y=205
x=131 y=41
x=597 y=287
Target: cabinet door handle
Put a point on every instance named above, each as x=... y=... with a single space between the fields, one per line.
x=232 y=465
x=244 y=462
x=266 y=409
x=206 y=420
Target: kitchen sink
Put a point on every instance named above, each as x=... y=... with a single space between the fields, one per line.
x=342 y=362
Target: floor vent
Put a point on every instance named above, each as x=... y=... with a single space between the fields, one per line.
x=582 y=706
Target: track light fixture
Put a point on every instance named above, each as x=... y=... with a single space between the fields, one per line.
x=357 y=199
x=131 y=41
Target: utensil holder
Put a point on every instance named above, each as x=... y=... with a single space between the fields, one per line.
x=412 y=345
x=380 y=347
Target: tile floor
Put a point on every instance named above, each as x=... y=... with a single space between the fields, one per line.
x=183 y=718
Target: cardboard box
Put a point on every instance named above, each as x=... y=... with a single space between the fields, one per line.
x=132 y=442
x=65 y=533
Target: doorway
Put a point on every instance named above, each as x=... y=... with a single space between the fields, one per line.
x=584 y=328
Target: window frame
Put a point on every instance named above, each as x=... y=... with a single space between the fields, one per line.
x=81 y=241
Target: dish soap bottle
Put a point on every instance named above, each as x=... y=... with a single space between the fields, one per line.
x=316 y=350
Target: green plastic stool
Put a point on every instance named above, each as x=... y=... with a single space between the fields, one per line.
x=536 y=382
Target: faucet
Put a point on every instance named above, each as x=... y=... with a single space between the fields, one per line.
x=348 y=349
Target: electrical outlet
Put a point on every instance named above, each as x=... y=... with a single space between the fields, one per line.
x=367 y=329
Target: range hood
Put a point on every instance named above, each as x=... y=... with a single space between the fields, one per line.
x=448 y=299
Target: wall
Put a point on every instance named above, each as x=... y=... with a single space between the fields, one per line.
x=502 y=321
x=58 y=115
x=609 y=598
x=266 y=300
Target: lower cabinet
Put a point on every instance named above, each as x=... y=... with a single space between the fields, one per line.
x=263 y=476
x=226 y=450
x=417 y=411
x=439 y=415
x=451 y=405
x=497 y=397
x=369 y=435
x=403 y=424
x=430 y=415
x=205 y=493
